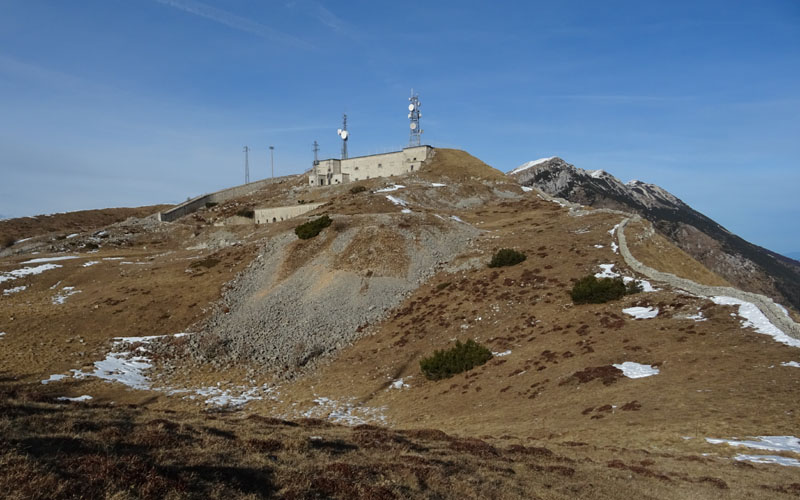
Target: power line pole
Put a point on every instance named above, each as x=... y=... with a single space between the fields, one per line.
x=246 y=165
x=272 y=159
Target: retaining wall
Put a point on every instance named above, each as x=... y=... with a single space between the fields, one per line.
x=277 y=214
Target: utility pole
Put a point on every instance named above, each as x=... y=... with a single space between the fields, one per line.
x=316 y=153
x=272 y=159
x=246 y=165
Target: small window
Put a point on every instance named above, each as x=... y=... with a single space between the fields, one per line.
x=380 y=165
x=355 y=168
x=412 y=167
x=415 y=159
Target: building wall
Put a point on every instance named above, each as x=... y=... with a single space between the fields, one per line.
x=333 y=171
x=277 y=214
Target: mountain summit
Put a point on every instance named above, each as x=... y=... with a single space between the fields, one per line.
x=744 y=264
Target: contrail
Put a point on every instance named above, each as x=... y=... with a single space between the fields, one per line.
x=233 y=21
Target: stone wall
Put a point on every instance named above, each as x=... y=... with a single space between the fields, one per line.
x=334 y=171
x=277 y=214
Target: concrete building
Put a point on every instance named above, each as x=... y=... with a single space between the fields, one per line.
x=333 y=171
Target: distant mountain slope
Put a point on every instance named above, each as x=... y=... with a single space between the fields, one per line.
x=744 y=264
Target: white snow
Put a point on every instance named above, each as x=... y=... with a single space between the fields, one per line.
x=596 y=173
x=26 y=271
x=49 y=259
x=90 y=263
x=768 y=459
x=599 y=246
x=405 y=211
x=785 y=311
x=614 y=247
x=613 y=230
x=606 y=271
x=2 y=333
x=641 y=312
x=113 y=258
x=79 y=399
x=501 y=354
x=23 y=239
x=70 y=236
x=16 y=289
x=393 y=187
x=527 y=189
x=456 y=218
x=399 y=384
x=396 y=201
x=346 y=412
x=791 y=363
x=769 y=443
x=437 y=184
x=236 y=396
x=636 y=370
x=66 y=291
x=54 y=378
x=697 y=317
x=530 y=164
x=754 y=318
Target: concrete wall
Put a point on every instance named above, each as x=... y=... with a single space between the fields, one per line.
x=217 y=197
x=335 y=171
x=277 y=214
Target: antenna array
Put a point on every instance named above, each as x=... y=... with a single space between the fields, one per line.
x=246 y=165
x=414 y=115
x=344 y=135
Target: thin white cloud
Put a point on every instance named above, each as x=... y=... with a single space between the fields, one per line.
x=233 y=21
x=325 y=16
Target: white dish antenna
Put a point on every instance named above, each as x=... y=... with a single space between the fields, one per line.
x=413 y=126
x=344 y=134
x=411 y=107
x=338 y=131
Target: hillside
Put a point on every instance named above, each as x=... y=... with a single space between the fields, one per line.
x=214 y=354
x=744 y=264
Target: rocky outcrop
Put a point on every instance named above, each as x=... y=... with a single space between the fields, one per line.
x=742 y=263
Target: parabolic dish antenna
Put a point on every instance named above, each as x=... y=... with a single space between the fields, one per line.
x=411 y=107
x=413 y=126
x=338 y=131
x=344 y=134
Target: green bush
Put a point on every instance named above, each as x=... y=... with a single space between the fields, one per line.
x=312 y=227
x=357 y=189
x=460 y=358
x=590 y=290
x=506 y=257
x=246 y=212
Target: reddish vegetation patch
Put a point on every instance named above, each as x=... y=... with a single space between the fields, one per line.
x=632 y=406
x=606 y=374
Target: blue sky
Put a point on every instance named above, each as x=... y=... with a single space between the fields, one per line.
x=132 y=102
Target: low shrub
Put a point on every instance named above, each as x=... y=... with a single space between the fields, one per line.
x=506 y=257
x=591 y=290
x=459 y=358
x=211 y=204
x=312 y=227
x=357 y=189
x=7 y=241
x=246 y=212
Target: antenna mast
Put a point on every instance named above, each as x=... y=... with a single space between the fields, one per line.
x=414 y=115
x=246 y=165
x=344 y=135
x=316 y=153
x=272 y=159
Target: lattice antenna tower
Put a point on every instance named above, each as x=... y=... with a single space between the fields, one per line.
x=344 y=134
x=246 y=165
x=414 y=114
x=316 y=153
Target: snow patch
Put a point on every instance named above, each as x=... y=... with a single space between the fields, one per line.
x=26 y=271
x=396 y=201
x=606 y=272
x=614 y=247
x=399 y=384
x=599 y=246
x=2 y=333
x=641 y=312
x=49 y=259
x=791 y=363
x=70 y=236
x=79 y=399
x=530 y=164
x=636 y=370
x=90 y=263
x=768 y=459
x=596 y=173
x=393 y=187
x=769 y=443
x=755 y=319
x=437 y=184
x=345 y=412
x=527 y=189
x=54 y=378
x=501 y=354
x=457 y=218
x=16 y=289
x=113 y=258
x=613 y=230
x=405 y=211
x=66 y=291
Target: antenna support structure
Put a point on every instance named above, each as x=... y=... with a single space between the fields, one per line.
x=414 y=115
x=316 y=153
x=246 y=165
x=344 y=134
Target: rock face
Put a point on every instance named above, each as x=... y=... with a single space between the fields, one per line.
x=744 y=264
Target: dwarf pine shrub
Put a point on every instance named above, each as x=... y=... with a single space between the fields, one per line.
x=357 y=189
x=312 y=227
x=506 y=257
x=459 y=358
x=591 y=290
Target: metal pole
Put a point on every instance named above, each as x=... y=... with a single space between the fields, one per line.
x=246 y=165
x=272 y=159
